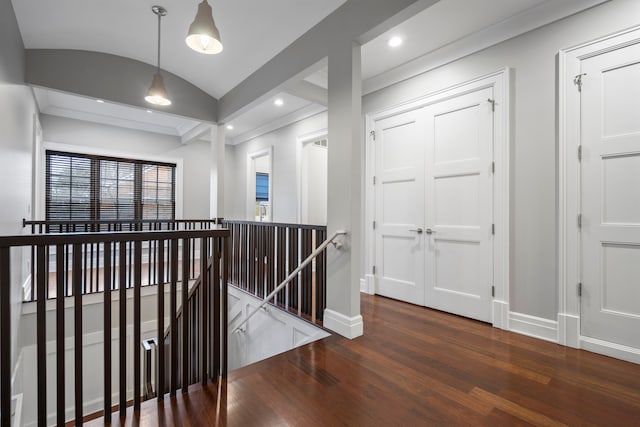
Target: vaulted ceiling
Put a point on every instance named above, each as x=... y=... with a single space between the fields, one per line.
x=254 y=31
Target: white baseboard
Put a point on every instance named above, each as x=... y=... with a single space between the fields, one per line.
x=569 y=330
x=533 y=326
x=611 y=349
x=349 y=327
x=363 y=286
x=500 y=314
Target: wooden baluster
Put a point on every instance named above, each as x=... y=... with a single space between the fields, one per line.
x=224 y=330
x=122 y=291
x=281 y=270
x=172 y=317
x=107 y=260
x=260 y=245
x=137 y=342
x=160 y=348
x=306 y=250
x=321 y=275
x=216 y=308
x=77 y=308
x=41 y=333
x=60 y=347
x=5 y=336
x=185 y=315
x=204 y=309
x=293 y=264
x=271 y=264
x=252 y=259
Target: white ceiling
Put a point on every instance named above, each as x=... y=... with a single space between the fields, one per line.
x=276 y=23
x=252 y=31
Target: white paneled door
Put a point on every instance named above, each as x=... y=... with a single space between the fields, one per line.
x=459 y=200
x=610 y=169
x=400 y=206
x=434 y=201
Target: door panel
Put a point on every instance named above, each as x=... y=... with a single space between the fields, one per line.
x=400 y=206
x=459 y=200
x=610 y=175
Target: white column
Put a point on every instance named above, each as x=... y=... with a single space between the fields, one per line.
x=216 y=198
x=344 y=202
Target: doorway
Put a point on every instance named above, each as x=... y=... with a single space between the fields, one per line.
x=602 y=90
x=260 y=186
x=437 y=215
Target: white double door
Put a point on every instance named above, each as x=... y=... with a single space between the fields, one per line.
x=610 y=186
x=434 y=201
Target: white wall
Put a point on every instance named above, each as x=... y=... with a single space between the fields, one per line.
x=17 y=112
x=284 y=178
x=127 y=142
x=534 y=183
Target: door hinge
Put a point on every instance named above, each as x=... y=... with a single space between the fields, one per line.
x=577 y=80
x=374 y=225
x=493 y=167
x=493 y=104
x=372 y=134
x=579 y=153
x=493 y=229
x=580 y=221
x=374 y=180
x=580 y=289
x=493 y=291
x=373 y=269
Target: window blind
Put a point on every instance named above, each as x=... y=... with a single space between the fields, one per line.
x=87 y=187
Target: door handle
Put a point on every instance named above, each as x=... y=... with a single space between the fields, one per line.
x=417 y=230
x=430 y=231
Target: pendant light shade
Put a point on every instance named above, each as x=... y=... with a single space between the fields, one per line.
x=204 y=36
x=157 y=93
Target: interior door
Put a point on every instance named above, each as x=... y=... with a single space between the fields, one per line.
x=610 y=168
x=400 y=206
x=459 y=200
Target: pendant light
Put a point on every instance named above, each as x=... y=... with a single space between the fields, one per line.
x=204 y=36
x=157 y=93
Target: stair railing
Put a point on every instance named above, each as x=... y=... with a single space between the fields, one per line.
x=291 y=276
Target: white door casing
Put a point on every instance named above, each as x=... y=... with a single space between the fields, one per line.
x=610 y=129
x=400 y=206
x=599 y=118
x=459 y=205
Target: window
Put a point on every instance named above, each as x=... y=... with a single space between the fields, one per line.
x=86 y=187
x=262 y=187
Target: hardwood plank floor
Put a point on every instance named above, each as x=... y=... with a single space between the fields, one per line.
x=414 y=366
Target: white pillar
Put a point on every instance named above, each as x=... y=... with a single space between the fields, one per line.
x=344 y=202
x=216 y=198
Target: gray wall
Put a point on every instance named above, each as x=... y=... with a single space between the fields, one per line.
x=195 y=156
x=118 y=79
x=17 y=111
x=534 y=146
x=285 y=185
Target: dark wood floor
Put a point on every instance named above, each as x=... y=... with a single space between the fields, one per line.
x=415 y=366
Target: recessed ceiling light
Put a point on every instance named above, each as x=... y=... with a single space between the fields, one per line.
x=230 y=127
x=395 y=41
x=279 y=102
x=149 y=111
x=99 y=101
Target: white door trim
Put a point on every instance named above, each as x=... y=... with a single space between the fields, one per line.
x=501 y=83
x=569 y=190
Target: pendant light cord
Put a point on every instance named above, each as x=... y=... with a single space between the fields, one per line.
x=159 y=23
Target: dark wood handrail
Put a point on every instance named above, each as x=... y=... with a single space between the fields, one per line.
x=26 y=222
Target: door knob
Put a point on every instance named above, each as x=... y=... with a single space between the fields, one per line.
x=429 y=231
x=417 y=230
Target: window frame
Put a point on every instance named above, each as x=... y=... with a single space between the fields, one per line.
x=175 y=166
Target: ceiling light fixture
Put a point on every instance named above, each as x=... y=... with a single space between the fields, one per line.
x=395 y=41
x=203 y=35
x=279 y=102
x=157 y=93
x=99 y=101
x=230 y=127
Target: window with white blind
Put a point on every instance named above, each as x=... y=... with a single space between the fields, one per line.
x=87 y=187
